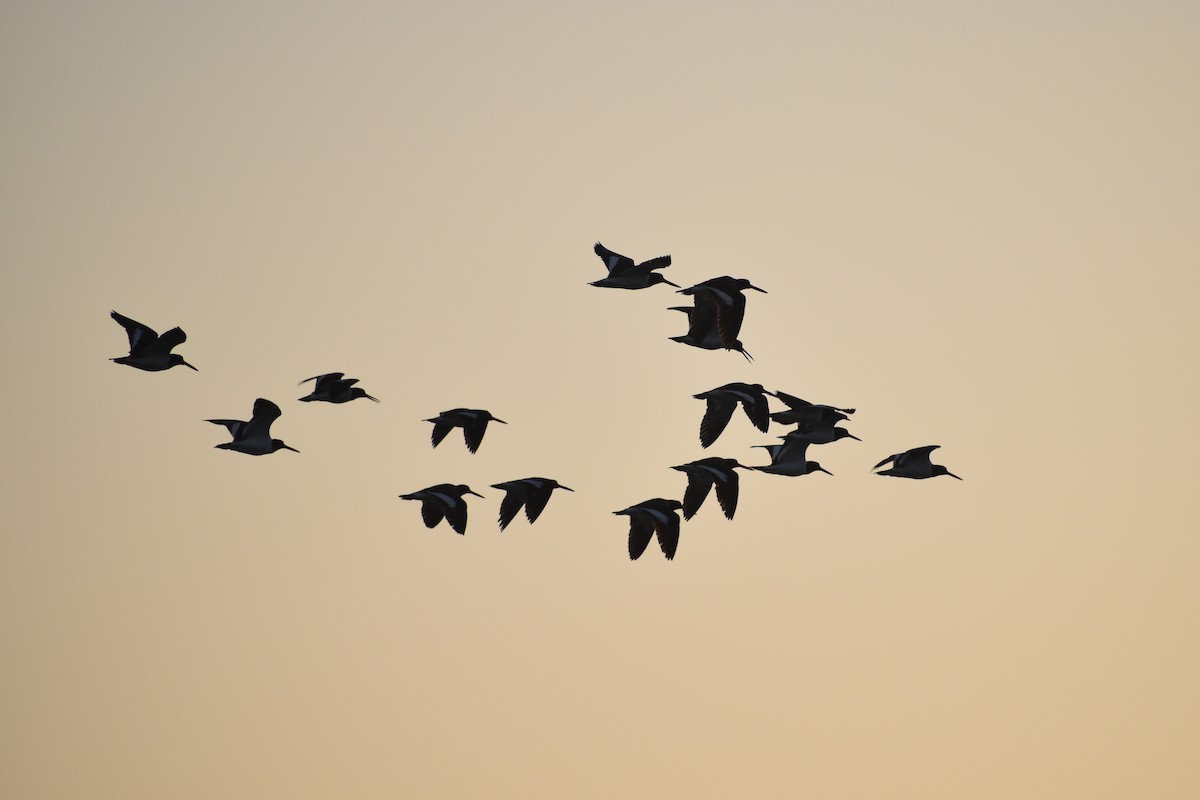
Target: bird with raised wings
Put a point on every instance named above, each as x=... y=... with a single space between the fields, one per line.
x=147 y=350
x=915 y=463
x=623 y=273
x=253 y=436
x=333 y=387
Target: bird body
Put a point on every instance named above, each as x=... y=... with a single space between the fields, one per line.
x=473 y=421
x=802 y=412
x=721 y=403
x=819 y=434
x=915 y=463
x=332 y=387
x=147 y=350
x=623 y=273
x=532 y=493
x=790 y=458
x=702 y=331
x=443 y=501
x=706 y=474
x=658 y=516
x=722 y=299
x=253 y=437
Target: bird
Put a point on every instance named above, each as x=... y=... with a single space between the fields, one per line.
x=790 y=458
x=706 y=474
x=446 y=501
x=532 y=493
x=624 y=274
x=723 y=297
x=914 y=464
x=702 y=331
x=723 y=400
x=819 y=433
x=147 y=350
x=333 y=388
x=648 y=518
x=473 y=421
x=254 y=437
x=802 y=412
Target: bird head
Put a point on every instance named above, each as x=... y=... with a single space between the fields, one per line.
x=177 y=359
x=277 y=444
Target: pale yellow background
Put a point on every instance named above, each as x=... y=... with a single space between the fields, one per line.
x=977 y=223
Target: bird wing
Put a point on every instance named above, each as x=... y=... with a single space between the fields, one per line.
x=696 y=492
x=431 y=511
x=233 y=425
x=917 y=455
x=641 y=531
x=539 y=496
x=793 y=450
x=440 y=429
x=716 y=417
x=140 y=336
x=668 y=534
x=615 y=263
x=473 y=432
x=167 y=342
x=791 y=401
x=729 y=318
x=755 y=406
x=888 y=459
x=265 y=412
x=514 y=498
x=703 y=317
x=456 y=514
x=727 y=494
x=660 y=262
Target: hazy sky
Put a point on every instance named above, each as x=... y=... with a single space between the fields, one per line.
x=976 y=224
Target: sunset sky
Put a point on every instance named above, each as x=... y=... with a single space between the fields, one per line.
x=976 y=224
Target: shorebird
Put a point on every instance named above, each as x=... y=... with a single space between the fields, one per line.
x=790 y=458
x=624 y=274
x=254 y=437
x=819 y=433
x=445 y=500
x=702 y=331
x=333 y=388
x=704 y=475
x=473 y=421
x=648 y=518
x=724 y=299
x=802 y=412
x=722 y=402
x=533 y=493
x=148 y=350
x=915 y=464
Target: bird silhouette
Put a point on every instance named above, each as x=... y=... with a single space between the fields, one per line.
x=802 y=412
x=706 y=474
x=333 y=388
x=149 y=351
x=721 y=403
x=624 y=274
x=650 y=517
x=723 y=298
x=532 y=493
x=790 y=458
x=253 y=437
x=914 y=464
x=473 y=421
x=702 y=330
x=443 y=501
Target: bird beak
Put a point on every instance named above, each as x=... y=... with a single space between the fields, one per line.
x=852 y=436
x=755 y=288
x=748 y=357
x=477 y=494
x=189 y=366
x=668 y=283
x=497 y=419
x=822 y=469
x=287 y=447
x=376 y=399
x=952 y=475
x=568 y=488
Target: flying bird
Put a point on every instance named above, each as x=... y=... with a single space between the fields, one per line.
x=802 y=412
x=473 y=421
x=914 y=464
x=706 y=474
x=722 y=402
x=790 y=458
x=624 y=274
x=818 y=433
x=148 y=350
x=657 y=516
x=446 y=501
x=722 y=297
x=532 y=493
x=702 y=331
x=254 y=437
x=334 y=388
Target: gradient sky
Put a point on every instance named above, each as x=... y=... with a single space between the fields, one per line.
x=976 y=223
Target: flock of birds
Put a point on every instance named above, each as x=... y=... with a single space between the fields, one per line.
x=714 y=323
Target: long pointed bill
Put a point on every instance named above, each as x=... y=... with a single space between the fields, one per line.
x=376 y=399
x=952 y=475
x=568 y=488
x=747 y=356
x=755 y=288
x=502 y=422
x=189 y=366
x=852 y=436
x=819 y=468
x=668 y=283
x=477 y=494
x=288 y=447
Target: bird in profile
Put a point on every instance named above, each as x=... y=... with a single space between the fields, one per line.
x=802 y=412
x=702 y=331
x=790 y=458
x=473 y=421
x=532 y=493
x=723 y=299
x=445 y=500
x=624 y=274
x=819 y=433
x=706 y=474
x=914 y=464
x=254 y=437
x=657 y=516
x=332 y=387
x=723 y=400
x=148 y=350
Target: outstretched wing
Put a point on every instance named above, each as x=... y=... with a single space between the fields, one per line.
x=668 y=534
x=539 y=496
x=140 y=336
x=716 y=417
x=615 y=263
x=514 y=498
x=167 y=342
x=431 y=511
x=660 y=262
x=234 y=426
x=641 y=531
x=727 y=495
x=696 y=492
x=917 y=455
x=473 y=432
x=755 y=406
x=440 y=429
x=265 y=412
